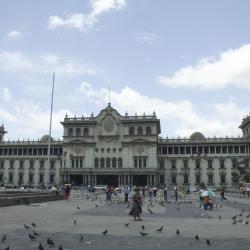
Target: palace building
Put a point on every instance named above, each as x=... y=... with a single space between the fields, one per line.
x=116 y=149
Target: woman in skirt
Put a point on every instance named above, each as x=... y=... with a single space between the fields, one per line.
x=136 y=204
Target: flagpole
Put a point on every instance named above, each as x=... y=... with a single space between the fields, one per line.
x=50 y=121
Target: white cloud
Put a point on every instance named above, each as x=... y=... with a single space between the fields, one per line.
x=224 y=119
x=86 y=21
x=13 y=34
x=230 y=68
x=14 y=61
x=145 y=37
x=5 y=94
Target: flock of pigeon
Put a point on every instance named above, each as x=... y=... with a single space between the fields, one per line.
x=33 y=234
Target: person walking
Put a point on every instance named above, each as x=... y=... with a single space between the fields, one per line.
x=166 y=194
x=176 y=194
x=136 y=208
x=66 y=192
x=248 y=191
x=126 y=193
x=222 y=195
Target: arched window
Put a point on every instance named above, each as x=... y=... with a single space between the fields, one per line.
x=102 y=163
x=96 y=163
x=148 y=130
x=140 y=131
x=108 y=163
x=131 y=131
x=70 y=132
x=114 y=163
x=78 y=132
x=120 y=163
x=86 y=132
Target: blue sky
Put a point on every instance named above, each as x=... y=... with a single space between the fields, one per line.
x=187 y=60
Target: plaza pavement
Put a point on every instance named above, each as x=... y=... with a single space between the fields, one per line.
x=56 y=221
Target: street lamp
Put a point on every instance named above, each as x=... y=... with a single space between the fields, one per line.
x=181 y=173
x=64 y=166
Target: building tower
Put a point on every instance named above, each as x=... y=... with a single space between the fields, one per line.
x=245 y=126
x=2 y=132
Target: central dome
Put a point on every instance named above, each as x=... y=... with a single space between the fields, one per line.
x=45 y=139
x=197 y=136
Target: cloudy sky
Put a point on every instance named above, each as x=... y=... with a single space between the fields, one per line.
x=187 y=60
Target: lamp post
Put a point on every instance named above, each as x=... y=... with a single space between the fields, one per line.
x=181 y=173
x=64 y=166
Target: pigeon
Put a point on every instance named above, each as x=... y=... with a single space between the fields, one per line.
x=78 y=207
x=196 y=237
x=105 y=232
x=143 y=234
x=81 y=238
x=248 y=215
x=240 y=220
x=178 y=209
x=159 y=229
x=234 y=222
x=240 y=214
x=33 y=224
x=246 y=223
x=74 y=222
x=143 y=227
x=126 y=225
x=208 y=242
x=243 y=210
x=150 y=211
x=7 y=248
x=40 y=247
x=36 y=233
x=234 y=217
x=25 y=226
x=219 y=217
x=60 y=247
x=177 y=232
x=32 y=237
x=96 y=205
x=50 y=242
x=4 y=238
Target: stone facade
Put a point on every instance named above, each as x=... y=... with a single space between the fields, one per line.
x=123 y=150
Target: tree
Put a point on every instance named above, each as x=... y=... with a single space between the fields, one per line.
x=235 y=176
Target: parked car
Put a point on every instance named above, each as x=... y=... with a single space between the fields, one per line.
x=193 y=189
x=100 y=187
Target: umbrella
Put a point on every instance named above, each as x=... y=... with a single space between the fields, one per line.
x=208 y=193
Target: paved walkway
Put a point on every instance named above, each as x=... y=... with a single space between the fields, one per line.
x=56 y=221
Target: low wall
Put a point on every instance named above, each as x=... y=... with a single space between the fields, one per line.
x=27 y=199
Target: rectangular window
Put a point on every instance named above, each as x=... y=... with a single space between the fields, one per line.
x=200 y=150
x=212 y=150
x=206 y=151
x=185 y=178
x=25 y=151
x=15 y=151
x=21 y=164
x=41 y=165
x=218 y=149
x=161 y=163
x=1 y=164
x=135 y=162
x=40 y=178
x=20 y=151
x=173 y=164
x=185 y=163
x=140 y=162
x=230 y=149
x=164 y=150
x=1 y=177
x=210 y=163
x=210 y=179
x=236 y=149
x=173 y=179
x=222 y=164
x=30 y=151
x=144 y=162
x=242 y=149
x=234 y=163
x=11 y=164
x=72 y=163
x=51 y=178
x=10 y=178
x=222 y=179
x=52 y=164
x=176 y=150
x=34 y=151
x=194 y=150
x=162 y=177
x=170 y=150
x=188 y=150
x=80 y=163
x=198 y=163
x=197 y=179
x=31 y=178
x=31 y=164
x=77 y=163
x=182 y=150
